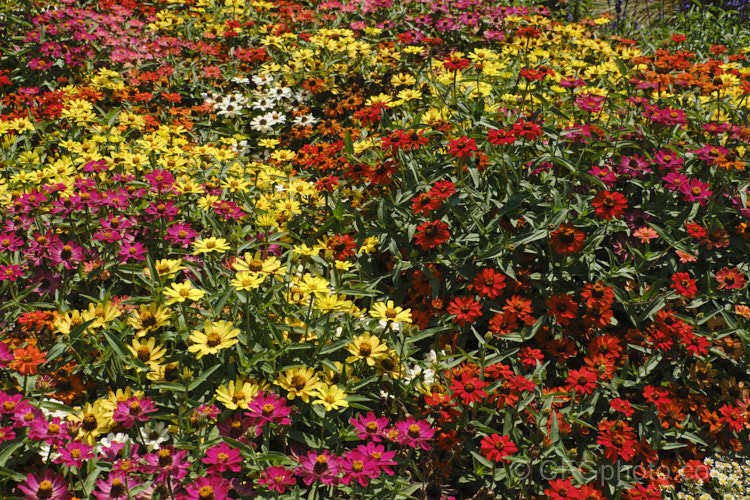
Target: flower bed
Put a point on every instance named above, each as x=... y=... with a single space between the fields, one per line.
x=344 y=250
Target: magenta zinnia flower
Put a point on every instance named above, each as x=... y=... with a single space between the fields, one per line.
x=74 y=453
x=383 y=459
x=10 y=242
x=269 y=408
x=181 y=234
x=208 y=487
x=369 y=426
x=117 y=485
x=359 y=467
x=132 y=251
x=277 y=478
x=11 y=272
x=66 y=253
x=167 y=463
x=44 y=486
x=695 y=190
x=133 y=410
x=414 y=433
x=222 y=457
x=318 y=467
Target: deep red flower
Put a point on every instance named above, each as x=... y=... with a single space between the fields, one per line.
x=498 y=448
x=729 y=279
x=583 y=381
x=684 y=285
x=618 y=439
x=567 y=239
x=562 y=308
x=342 y=246
x=501 y=137
x=466 y=309
x=425 y=203
x=489 y=283
x=443 y=190
x=561 y=489
x=609 y=205
x=463 y=147
x=431 y=234
x=469 y=389
x=597 y=294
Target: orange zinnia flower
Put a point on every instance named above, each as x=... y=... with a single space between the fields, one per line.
x=27 y=360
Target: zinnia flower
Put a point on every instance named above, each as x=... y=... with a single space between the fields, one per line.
x=431 y=234
x=215 y=337
x=567 y=240
x=414 y=433
x=609 y=205
x=277 y=478
x=27 y=360
x=497 y=448
x=44 y=486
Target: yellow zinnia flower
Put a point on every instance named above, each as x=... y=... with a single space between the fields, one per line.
x=180 y=292
x=210 y=245
x=147 y=352
x=237 y=394
x=367 y=347
x=247 y=281
x=214 y=338
x=299 y=382
x=388 y=312
x=332 y=397
x=149 y=318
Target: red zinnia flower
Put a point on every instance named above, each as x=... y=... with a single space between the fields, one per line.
x=561 y=489
x=424 y=203
x=567 y=240
x=443 y=190
x=583 y=381
x=729 y=278
x=684 y=285
x=469 y=389
x=463 y=147
x=562 y=308
x=342 y=246
x=618 y=440
x=489 y=283
x=497 y=448
x=609 y=205
x=466 y=309
x=431 y=234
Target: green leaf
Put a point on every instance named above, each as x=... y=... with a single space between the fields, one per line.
x=7 y=452
x=202 y=377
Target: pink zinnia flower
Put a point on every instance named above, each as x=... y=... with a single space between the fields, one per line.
x=277 y=478
x=9 y=405
x=269 y=408
x=167 y=463
x=132 y=251
x=181 y=234
x=358 y=466
x=117 y=485
x=321 y=467
x=369 y=426
x=133 y=410
x=74 y=453
x=9 y=242
x=222 y=457
x=414 y=433
x=10 y=272
x=695 y=190
x=44 y=486
x=51 y=432
x=6 y=434
x=66 y=253
x=674 y=181
x=383 y=459
x=208 y=487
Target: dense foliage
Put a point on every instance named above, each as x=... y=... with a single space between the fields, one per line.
x=370 y=250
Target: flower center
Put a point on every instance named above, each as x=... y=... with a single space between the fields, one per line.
x=321 y=464
x=45 y=490
x=414 y=431
x=365 y=349
x=267 y=409
x=213 y=339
